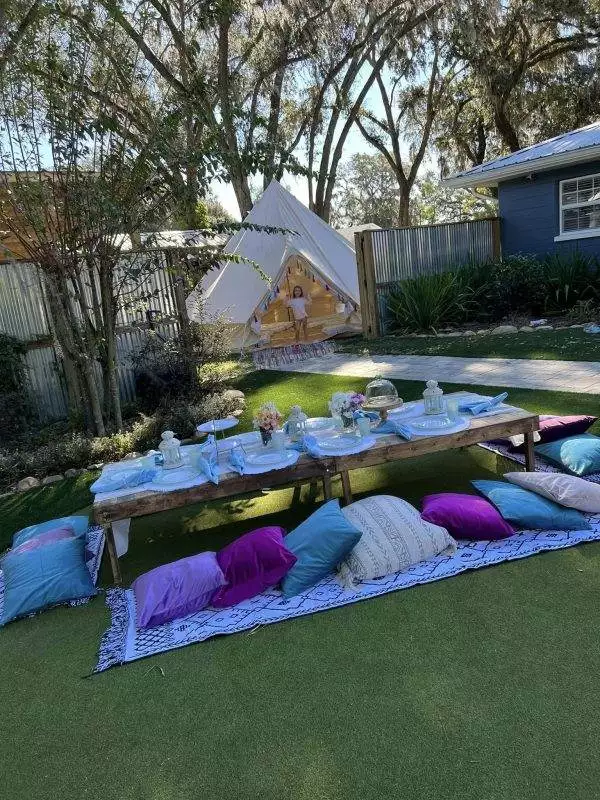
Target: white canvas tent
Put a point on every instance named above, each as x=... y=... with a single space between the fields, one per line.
x=314 y=249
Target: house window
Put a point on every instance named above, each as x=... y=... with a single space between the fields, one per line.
x=580 y=207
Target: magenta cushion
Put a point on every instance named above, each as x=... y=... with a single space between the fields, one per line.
x=251 y=564
x=176 y=589
x=48 y=537
x=554 y=428
x=465 y=516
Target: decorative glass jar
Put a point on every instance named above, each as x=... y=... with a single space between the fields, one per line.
x=433 y=398
x=296 y=424
x=380 y=392
x=170 y=447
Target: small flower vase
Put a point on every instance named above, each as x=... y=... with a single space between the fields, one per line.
x=266 y=435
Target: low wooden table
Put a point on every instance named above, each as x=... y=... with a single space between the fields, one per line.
x=311 y=470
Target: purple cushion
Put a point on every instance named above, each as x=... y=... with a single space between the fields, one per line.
x=48 y=537
x=554 y=428
x=176 y=589
x=465 y=516
x=251 y=564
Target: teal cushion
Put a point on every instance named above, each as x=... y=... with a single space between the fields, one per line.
x=46 y=576
x=527 y=510
x=79 y=525
x=319 y=544
x=579 y=455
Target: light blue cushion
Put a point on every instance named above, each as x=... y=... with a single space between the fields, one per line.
x=319 y=544
x=47 y=576
x=529 y=511
x=579 y=455
x=79 y=525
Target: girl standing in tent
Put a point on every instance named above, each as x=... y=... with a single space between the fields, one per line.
x=298 y=303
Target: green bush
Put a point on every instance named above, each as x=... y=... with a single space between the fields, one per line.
x=569 y=279
x=430 y=301
x=15 y=409
x=51 y=452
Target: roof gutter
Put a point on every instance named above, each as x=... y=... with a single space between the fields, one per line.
x=493 y=176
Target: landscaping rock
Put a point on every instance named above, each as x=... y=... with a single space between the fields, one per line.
x=526 y=329
x=454 y=334
x=27 y=483
x=545 y=328
x=72 y=473
x=94 y=467
x=501 y=329
x=581 y=325
x=50 y=479
x=468 y=333
x=236 y=395
x=237 y=413
x=481 y=332
x=132 y=456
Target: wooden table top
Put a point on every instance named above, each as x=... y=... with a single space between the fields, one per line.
x=386 y=448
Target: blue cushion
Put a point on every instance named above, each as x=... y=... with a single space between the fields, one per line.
x=79 y=525
x=47 y=576
x=529 y=511
x=579 y=455
x=319 y=544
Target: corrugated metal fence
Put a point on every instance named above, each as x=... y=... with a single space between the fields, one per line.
x=23 y=314
x=388 y=256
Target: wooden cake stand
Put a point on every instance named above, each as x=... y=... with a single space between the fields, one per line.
x=384 y=407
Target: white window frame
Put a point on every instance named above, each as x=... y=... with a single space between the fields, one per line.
x=584 y=233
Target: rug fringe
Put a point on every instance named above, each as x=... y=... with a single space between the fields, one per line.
x=112 y=644
x=276 y=356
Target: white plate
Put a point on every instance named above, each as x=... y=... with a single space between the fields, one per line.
x=343 y=444
x=215 y=425
x=173 y=477
x=459 y=424
x=320 y=423
x=265 y=459
x=433 y=422
x=286 y=459
x=247 y=439
x=412 y=409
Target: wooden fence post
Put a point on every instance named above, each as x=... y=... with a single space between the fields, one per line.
x=496 y=247
x=363 y=243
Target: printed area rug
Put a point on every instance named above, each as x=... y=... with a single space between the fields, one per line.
x=273 y=357
x=123 y=642
x=94 y=547
x=504 y=450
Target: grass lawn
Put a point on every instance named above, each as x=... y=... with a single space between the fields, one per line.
x=569 y=344
x=480 y=686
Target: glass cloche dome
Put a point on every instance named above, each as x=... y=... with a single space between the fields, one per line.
x=381 y=394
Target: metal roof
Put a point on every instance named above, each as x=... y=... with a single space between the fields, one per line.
x=573 y=147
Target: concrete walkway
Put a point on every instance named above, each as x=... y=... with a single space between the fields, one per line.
x=561 y=376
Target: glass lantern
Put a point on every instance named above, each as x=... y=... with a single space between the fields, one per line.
x=380 y=392
x=433 y=398
x=296 y=424
x=170 y=447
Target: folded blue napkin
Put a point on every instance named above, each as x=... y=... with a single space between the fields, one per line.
x=127 y=479
x=237 y=460
x=390 y=426
x=209 y=468
x=372 y=415
x=475 y=407
x=308 y=444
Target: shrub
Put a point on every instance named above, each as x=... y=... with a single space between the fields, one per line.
x=569 y=279
x=15 y=409
x=430 y=301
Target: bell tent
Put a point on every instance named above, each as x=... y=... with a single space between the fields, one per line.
x=310 y=254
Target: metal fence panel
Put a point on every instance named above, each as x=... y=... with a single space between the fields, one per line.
x=23 y=314
x=401 y=253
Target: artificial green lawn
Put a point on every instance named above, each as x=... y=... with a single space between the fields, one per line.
x=480 y=686
x=568 y=344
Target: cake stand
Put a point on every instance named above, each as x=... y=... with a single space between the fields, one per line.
x=383 y=407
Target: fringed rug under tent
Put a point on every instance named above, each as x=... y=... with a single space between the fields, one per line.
x=123 y=642
x=504 y=450
x=273 y=357
x=94 y=547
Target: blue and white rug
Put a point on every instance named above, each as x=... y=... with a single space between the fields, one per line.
x=94 y=547
x=123 y=642
x=541 y=465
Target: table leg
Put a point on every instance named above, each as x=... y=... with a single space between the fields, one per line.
x=313 y=489
x=529 y=453
x=327 y=487
x=346 y=487
x=112 y=554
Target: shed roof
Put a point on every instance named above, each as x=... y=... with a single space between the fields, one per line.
x=574 y=147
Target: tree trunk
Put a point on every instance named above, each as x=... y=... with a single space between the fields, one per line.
x=110 y=337
x=404 y=207
x=505 y=128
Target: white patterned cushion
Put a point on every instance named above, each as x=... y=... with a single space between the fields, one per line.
x=566 y=490
x=393 y=538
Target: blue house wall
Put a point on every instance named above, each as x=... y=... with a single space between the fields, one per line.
x=530 y=217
